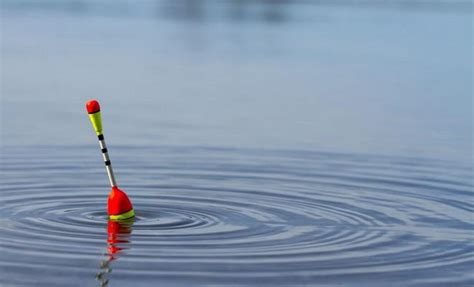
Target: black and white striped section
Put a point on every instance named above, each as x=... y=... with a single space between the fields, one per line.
x=108 y=164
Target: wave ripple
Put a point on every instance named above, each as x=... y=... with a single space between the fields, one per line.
x=208 y=216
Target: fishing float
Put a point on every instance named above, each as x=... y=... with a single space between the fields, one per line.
x=119 y=206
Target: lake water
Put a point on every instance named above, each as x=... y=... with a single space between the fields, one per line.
x=290 y=143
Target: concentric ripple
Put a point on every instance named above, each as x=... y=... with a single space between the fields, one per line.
x=209 y=216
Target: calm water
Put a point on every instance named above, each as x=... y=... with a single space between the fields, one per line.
x=288 y=143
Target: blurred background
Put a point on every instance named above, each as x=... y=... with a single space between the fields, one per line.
x=378 y=77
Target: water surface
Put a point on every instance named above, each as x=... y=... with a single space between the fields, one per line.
x=262 y=143
x=234 y=216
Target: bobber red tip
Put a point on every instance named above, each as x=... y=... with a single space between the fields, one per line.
x=93 y=106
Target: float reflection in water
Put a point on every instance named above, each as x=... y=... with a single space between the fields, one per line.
x=118 y=240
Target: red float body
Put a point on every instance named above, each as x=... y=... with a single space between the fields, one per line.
x=118 y=202
x=92 y=106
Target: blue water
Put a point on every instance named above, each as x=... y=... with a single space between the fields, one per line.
x=290 y=143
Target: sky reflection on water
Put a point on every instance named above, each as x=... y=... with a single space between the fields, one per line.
x=369 y=78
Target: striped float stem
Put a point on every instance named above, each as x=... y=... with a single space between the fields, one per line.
x=108 y=164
